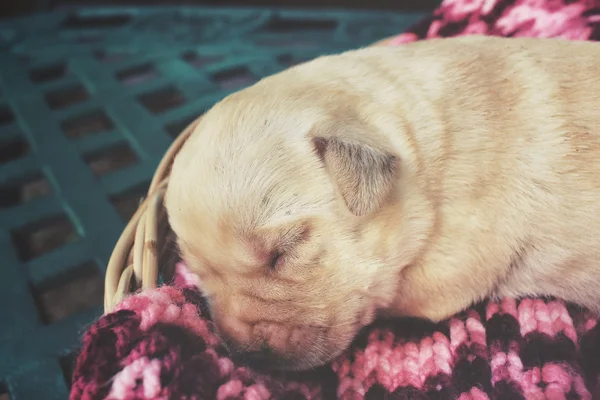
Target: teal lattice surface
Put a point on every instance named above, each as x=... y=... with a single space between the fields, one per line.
x=89 y=102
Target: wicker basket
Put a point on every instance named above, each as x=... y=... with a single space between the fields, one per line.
x=147 y=241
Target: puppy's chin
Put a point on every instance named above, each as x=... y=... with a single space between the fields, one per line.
x=313 y=348
x=321 y=351
x=315 y=359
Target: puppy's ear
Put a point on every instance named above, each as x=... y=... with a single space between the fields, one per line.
x=364 y=173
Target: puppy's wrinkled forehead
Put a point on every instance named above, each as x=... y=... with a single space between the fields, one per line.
x=246 y=166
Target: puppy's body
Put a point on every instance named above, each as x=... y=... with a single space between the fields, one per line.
x=412 y=180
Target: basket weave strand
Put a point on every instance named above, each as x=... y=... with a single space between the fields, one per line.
x=134 y=262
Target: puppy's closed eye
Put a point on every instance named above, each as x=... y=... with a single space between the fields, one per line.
x=277 y=244
x=276 y=260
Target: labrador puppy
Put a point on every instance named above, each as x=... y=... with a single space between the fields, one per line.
x=392 y=181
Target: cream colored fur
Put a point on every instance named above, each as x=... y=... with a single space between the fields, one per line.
x=393 y=181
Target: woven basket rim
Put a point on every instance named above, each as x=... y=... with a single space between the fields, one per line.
x=134 y=262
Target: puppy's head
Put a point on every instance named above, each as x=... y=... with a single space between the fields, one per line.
x=271 y=199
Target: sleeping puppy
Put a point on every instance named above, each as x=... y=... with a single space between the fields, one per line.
x=392 y=181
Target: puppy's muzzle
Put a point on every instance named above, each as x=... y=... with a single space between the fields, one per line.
x=264 y=345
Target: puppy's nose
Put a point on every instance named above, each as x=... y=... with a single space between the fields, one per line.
x=257 y=347
x=275 y=336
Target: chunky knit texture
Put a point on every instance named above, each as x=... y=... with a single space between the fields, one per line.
x=159 y=344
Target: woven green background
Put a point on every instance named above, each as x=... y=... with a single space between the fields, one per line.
x=77 y=87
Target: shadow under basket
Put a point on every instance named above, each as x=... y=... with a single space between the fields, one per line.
x=146 y=248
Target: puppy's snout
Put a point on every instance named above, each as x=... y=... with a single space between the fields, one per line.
x=259 y=345
x=234 y=332
x=238 y=333
x=262 y=344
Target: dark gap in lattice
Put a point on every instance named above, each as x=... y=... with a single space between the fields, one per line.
x=77 y=21
x=67 y=365
x=110 y=159
x=192 y=20
x=24 y=59
x=162 y=99
x=88 y=39
x=175 y=128
x=126 y=203
x=138 y=74
x=199 y=61
x=356 y=27
x=4 y=395
x=40 y=237
x=289 y=42
x=92 y=122
x=6 y=115
x=105 y=57
x=13 y=149
x=65 y=97
x=234 y=78
x=48 y=73
x=66 y=294
x=285 y=59
x=279 y=24
x=23 y=189
x=288 y=60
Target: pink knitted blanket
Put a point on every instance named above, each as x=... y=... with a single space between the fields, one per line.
x=159 y=344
